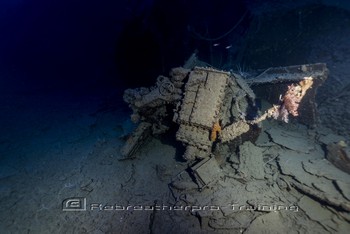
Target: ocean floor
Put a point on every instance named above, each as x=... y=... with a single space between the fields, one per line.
x=56 y=149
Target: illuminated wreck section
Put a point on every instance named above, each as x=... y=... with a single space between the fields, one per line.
x=291 y=90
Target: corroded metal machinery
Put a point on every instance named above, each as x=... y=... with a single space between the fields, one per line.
x=214 y=103
x=210 y=105
x=213 y=107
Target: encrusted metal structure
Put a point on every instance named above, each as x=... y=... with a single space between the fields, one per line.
x=217 y=107
x=211 y=98
x=210 y=105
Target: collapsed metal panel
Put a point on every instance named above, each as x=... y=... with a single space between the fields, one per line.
x=206 y=172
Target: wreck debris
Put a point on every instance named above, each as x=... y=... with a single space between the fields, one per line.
x=216 y=106
x=200 y=104
x=203 y=98
x=206 y=172
x=203 y=106
x=216 y=110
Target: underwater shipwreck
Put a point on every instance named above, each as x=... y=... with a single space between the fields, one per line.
x=153 y=116
x=255 y=134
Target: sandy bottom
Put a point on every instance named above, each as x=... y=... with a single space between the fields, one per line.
x=54 y=152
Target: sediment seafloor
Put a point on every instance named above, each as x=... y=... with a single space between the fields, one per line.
x=282 y=183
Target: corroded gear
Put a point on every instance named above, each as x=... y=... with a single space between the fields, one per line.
x=165 y=87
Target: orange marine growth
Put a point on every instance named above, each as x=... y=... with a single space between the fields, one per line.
x=305 y=85
x=214 y=131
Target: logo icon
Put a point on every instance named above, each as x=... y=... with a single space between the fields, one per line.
x=74 y=204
